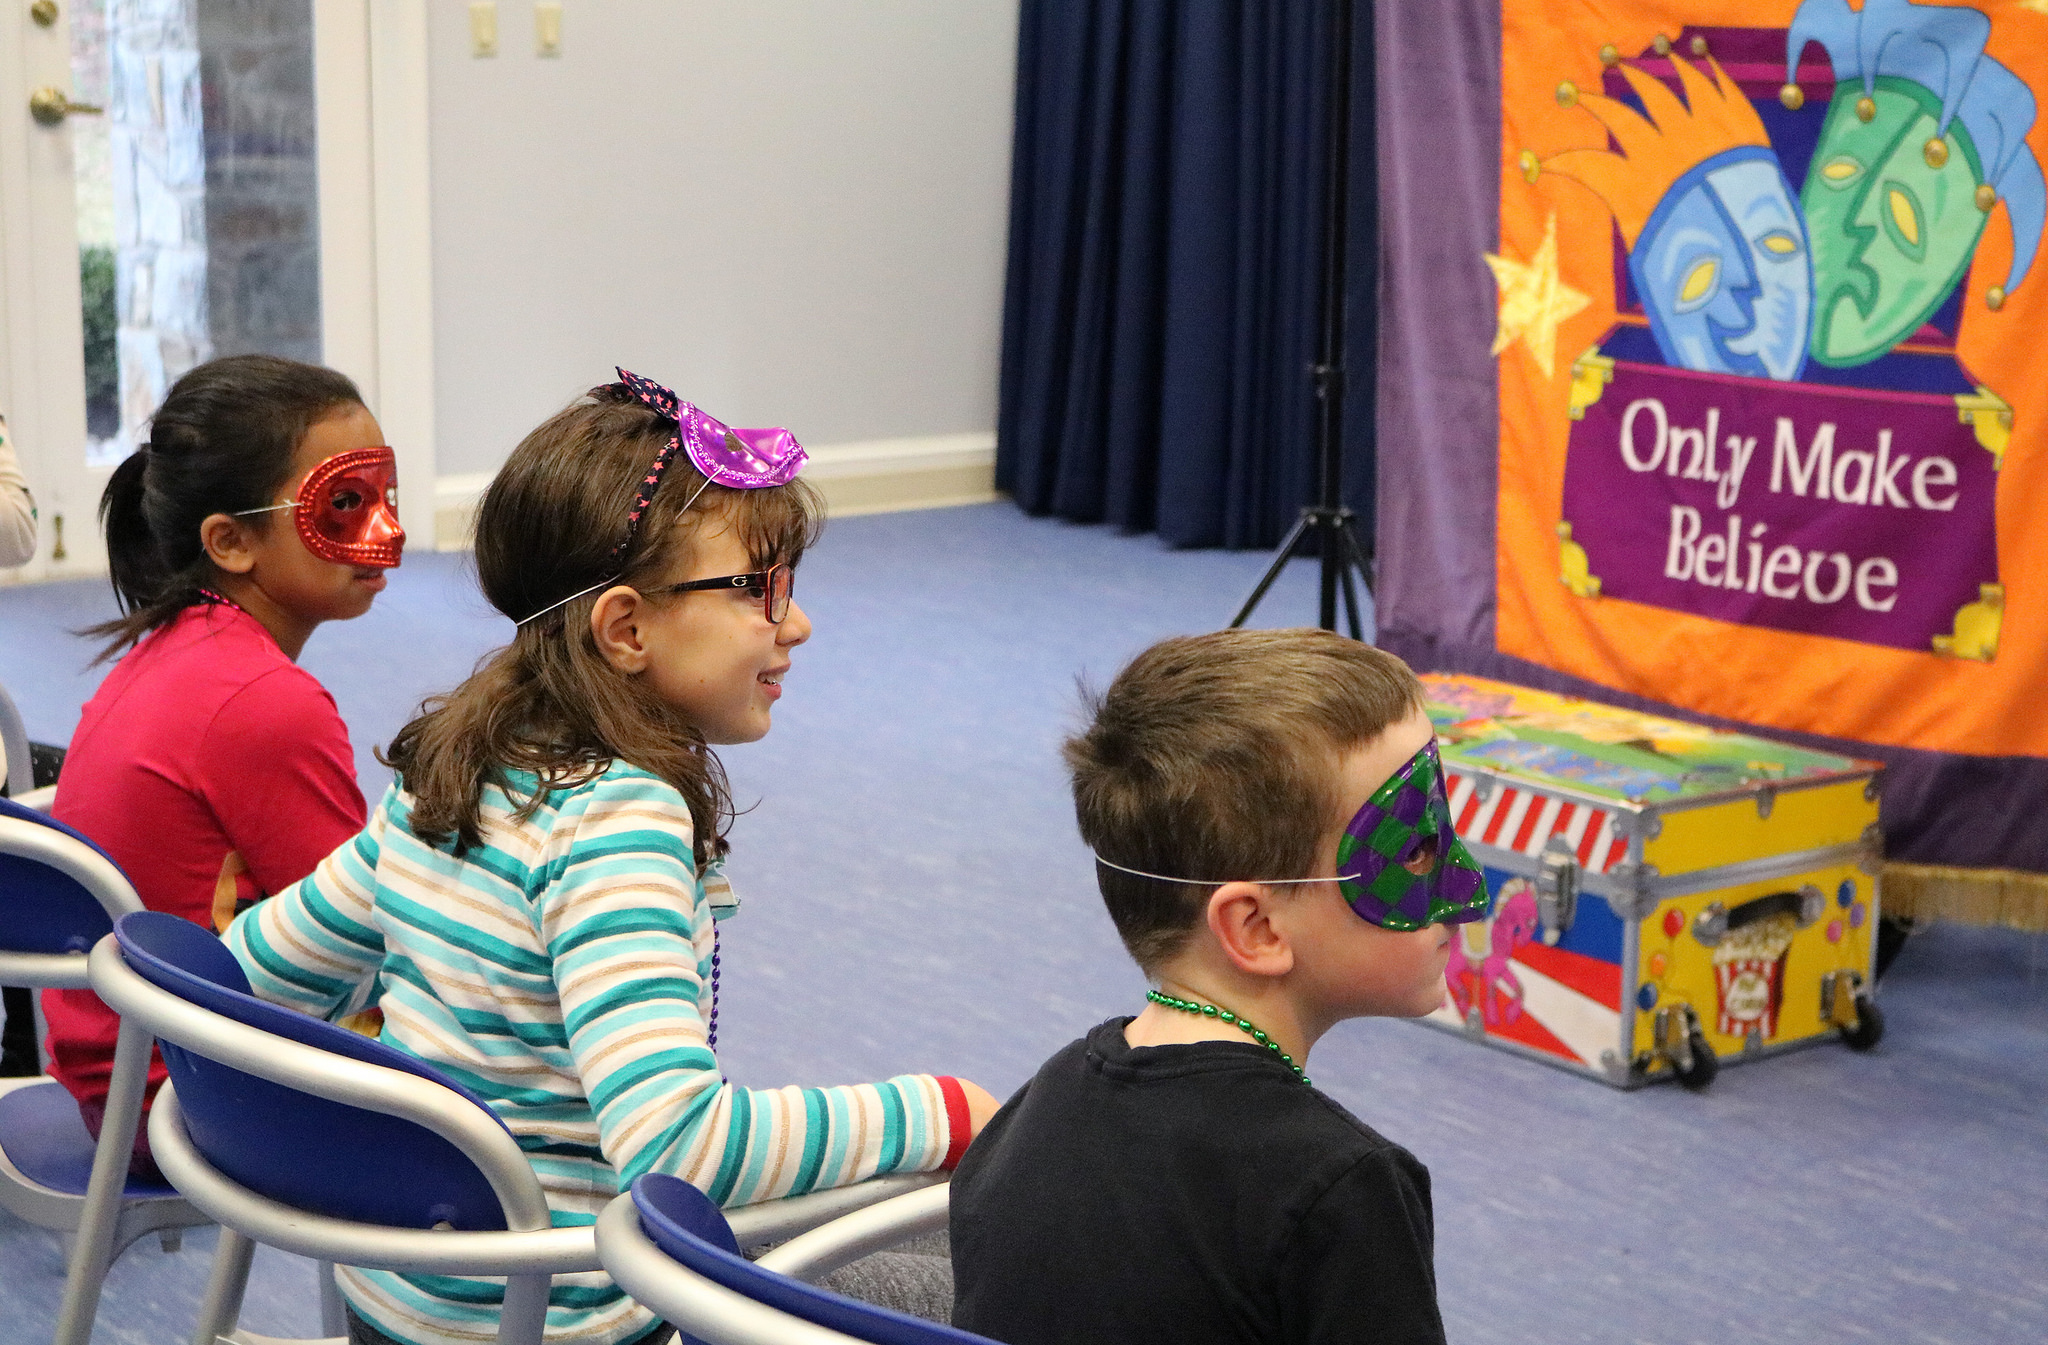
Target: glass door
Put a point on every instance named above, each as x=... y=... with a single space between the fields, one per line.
x=162 y=161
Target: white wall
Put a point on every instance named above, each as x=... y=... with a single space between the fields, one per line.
x=793 y=212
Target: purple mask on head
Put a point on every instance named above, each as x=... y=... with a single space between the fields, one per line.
x=735 y=459
x=740 y=459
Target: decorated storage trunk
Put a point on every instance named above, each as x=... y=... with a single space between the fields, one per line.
x=1665 y=897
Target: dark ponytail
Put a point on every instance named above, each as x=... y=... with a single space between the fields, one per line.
x=222 y=442
x=129 y=552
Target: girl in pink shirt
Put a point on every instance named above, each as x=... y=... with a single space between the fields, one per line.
x=209 y=765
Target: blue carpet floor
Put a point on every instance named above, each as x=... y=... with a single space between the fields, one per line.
x=916 y=898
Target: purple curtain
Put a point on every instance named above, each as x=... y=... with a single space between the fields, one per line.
x=1439 y=169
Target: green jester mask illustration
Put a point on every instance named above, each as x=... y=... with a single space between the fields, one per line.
x=1924 y=136
x=1892 y=233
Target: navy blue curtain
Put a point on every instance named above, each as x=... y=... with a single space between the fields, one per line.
x=1160 y=315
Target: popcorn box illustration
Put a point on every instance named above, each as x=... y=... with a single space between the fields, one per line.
x=1749 y=978
x=1665 y=897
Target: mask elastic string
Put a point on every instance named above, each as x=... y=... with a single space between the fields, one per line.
x=1218 y=882
x=602 y=583
x=694 y=498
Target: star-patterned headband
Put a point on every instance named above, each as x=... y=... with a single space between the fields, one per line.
x=734 y=458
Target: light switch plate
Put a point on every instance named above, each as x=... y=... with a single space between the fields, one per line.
x=547 y=28
x=483 y=27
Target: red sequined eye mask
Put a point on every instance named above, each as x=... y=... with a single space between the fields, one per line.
x=347 y=510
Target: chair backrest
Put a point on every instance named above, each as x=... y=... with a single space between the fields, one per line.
x=684 y=1223
x=59 y=893
x=305 y=1151
x=20 y=775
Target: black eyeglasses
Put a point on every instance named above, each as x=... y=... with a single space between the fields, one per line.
x=773 y=586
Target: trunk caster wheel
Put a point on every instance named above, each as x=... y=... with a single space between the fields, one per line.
x=1848 y=1005
x=1698 y=1071
x=1868 y=1029
x=1682 y=1044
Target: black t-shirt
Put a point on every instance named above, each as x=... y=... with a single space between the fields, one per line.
x=1188 y=1194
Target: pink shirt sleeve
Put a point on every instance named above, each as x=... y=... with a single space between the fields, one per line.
x=277 y=770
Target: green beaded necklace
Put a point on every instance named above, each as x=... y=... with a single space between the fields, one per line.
x=1225 y=1016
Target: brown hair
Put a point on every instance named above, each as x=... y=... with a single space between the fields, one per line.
x=221 y=443
x=1215 y=756
x=549 y=702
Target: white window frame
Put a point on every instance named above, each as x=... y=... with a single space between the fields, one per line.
x=376 y=227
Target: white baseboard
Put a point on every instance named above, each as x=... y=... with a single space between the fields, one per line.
x=455 y=502
x=876 y=476
x=882 y=476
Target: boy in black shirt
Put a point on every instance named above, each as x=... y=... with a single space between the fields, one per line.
x=1272 y=840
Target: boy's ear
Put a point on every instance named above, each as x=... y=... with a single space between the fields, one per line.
x=615 y=625
x=1240 y=915
x=227 y=543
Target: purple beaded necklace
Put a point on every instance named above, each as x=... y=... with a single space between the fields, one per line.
x=711 y=1037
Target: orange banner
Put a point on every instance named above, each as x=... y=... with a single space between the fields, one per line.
x=1773 y=393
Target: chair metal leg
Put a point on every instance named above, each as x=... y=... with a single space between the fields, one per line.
x=525 y=1314
x=332 y=1320
x=93 y=1250
x=221 y=1309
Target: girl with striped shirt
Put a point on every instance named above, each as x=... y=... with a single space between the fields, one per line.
x=535 y=902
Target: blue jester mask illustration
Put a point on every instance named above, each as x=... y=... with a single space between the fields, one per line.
x=1717 y=246
x=1724 y=270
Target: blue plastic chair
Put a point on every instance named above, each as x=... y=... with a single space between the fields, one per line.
x=307 y=1137
x=310 y=1138
x=669 y=1246
x=59 y=894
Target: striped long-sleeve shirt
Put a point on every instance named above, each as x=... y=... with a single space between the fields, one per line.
x=562 y=971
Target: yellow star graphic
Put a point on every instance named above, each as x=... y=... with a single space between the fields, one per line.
x=1534 y=300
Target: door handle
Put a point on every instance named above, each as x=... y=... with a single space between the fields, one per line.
x=50 y=105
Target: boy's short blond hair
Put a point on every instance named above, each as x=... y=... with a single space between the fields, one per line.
x=1215 y=756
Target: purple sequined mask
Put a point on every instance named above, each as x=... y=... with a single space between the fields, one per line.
x=736 y=459
x=1400 y=863
x=740 y=459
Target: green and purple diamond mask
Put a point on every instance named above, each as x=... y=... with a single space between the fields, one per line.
x=1400 y=863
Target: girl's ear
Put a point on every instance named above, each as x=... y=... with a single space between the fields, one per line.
x=228 y=544
x=615 y=625
x=1240 y=915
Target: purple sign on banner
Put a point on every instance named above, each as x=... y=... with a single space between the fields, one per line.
x=1857 y=513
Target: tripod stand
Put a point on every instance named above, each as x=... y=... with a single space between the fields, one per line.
x=1332 y=525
